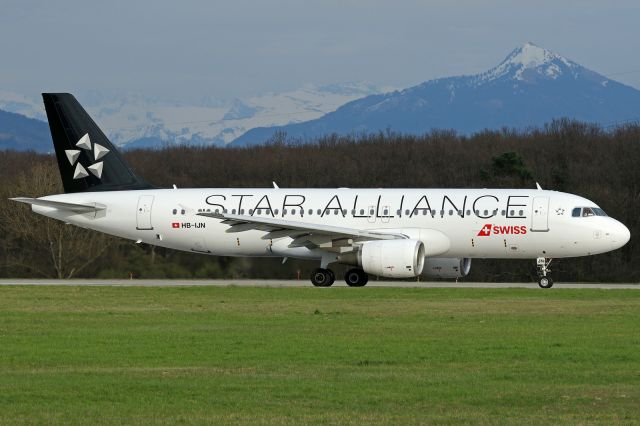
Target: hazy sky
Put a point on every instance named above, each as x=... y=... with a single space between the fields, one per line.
x=187 y=49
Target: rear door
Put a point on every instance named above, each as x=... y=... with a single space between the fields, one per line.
x=143 y=213
x=540 y=214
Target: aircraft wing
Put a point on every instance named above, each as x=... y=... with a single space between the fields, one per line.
x=77 y=208
x=305 y=234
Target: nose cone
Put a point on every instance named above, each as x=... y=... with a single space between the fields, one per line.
x=620 y=235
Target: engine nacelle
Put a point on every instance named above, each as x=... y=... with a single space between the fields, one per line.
x=392 y=258
x=446 y=267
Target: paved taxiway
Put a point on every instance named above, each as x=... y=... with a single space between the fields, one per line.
x=301 y=283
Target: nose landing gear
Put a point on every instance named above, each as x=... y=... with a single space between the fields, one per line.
x=544 y=281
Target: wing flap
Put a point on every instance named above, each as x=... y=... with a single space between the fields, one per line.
x=282 y=228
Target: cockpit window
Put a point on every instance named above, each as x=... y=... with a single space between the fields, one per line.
x=587 y=212
x=599 y=212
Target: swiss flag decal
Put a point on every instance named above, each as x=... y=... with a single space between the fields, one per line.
x=175 y=225
x=485 y=231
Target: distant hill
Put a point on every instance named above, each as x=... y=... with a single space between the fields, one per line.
x=22 y=133
x=532 y=86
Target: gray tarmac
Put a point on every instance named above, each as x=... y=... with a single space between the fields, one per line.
x=300 y=283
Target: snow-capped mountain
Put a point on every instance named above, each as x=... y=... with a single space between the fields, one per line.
x=136 y=121
x=530 y=87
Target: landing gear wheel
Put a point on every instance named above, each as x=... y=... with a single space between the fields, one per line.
x=545 y=282
x=333 y=276
x=356 y=277
x=322 y=277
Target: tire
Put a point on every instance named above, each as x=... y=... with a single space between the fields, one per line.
x=545 y=282
x=356 y=277
x=322 y=277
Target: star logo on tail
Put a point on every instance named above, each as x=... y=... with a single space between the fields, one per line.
x=98 y=152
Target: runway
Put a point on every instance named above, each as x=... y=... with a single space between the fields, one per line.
x=298 y=283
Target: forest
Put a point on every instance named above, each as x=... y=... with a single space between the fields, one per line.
x=598 y=163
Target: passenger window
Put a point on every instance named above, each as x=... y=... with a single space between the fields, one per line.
x=406 y=212
x=274 y=212
x=319 y=212
x=361 y=212
x=175 y=211
x=182 y=211
x=503 y=212
x=233 y=211
x=468 y=212
x=486 y=212
x=521 y=213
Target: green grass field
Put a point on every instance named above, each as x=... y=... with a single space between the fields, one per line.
x=105 y=355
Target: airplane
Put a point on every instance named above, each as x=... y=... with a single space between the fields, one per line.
x=391 y=233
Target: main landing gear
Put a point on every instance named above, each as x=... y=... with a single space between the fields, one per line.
x=356 y=277
x=544 y=281
x=323 y=277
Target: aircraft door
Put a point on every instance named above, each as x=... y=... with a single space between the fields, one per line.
x=372 y=214
x=143 y=213
x=386 y=213
x=540 y=214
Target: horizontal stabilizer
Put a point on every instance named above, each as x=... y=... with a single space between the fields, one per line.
x=77 y=208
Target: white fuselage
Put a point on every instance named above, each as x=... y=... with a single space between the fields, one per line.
x=473 y=223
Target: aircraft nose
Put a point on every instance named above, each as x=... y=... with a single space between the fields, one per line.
x=620 y=235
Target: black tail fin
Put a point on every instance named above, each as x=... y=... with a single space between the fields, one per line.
x=88 y=161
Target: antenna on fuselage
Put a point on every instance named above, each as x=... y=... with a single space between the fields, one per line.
x=538 y=186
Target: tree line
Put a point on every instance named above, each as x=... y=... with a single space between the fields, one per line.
x=584 y=159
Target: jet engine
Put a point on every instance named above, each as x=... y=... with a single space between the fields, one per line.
x=446 y=267
x=389 y=258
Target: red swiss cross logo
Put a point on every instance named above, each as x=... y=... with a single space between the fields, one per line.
x=485 y=231
x=175 y=225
